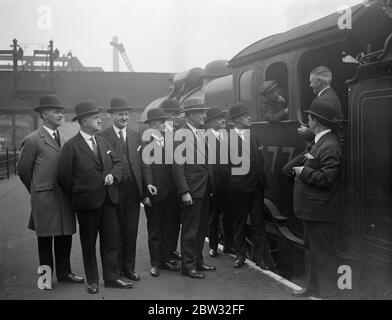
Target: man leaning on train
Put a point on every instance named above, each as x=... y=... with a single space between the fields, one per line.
x=316 y=199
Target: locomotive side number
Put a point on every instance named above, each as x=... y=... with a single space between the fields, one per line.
x=274 y=150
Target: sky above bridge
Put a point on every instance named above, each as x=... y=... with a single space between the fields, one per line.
x=158 y=35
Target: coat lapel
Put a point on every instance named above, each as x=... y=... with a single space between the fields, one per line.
x=48 y=139
x=101 y=149
x=86 y=148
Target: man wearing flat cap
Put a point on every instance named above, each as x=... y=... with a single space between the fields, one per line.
x=273 y=105
x=171 y=107
x=52 y=216
x=161 y=200
x=316 y=193
x=126 y=142
x=247 y=193
x=193 y=180
x=215 y=122
x=89 y=171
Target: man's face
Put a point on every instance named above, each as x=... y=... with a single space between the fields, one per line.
x=312 y=124
x=315 y=84
x=53 y=117
x=93 y=122
x=173 y=116
x=158 y=125
x=218 y=123
x=197 y=118
x=245 y=120
x=120 y=119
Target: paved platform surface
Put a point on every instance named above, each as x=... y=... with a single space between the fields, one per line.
x=19 y=263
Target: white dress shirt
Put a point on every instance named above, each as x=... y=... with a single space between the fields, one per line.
x=50 y=131
x=242 y=133
x=124 y=132
x=87 y=138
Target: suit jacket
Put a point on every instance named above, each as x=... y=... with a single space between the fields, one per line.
x=133 y=142
x=316 y=189
x=159 y=175
x=220 y=170
x=238 y=182
x=51 y=211
x=272 y=111
x=192 y=177
x=81 y=173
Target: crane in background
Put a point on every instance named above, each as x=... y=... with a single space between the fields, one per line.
x=119 y=48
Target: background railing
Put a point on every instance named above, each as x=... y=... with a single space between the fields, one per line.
x=8 y=160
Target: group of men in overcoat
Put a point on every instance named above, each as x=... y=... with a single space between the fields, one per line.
x=102 y=177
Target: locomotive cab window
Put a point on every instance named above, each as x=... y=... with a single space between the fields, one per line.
x=273 y=94
x=328 y=70
x=247 y=91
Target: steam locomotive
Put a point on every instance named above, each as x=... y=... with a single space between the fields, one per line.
x=360 y=58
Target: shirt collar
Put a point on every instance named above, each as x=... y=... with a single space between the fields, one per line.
x=241 y=132
x=86 y=136
x=168 y=126
x=117 y=130
x=192 y=128
x=216 y=133
x=51 y=132
x=320 y=134
x=319 y=94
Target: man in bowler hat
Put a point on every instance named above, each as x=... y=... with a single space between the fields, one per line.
x=52 y=216
x=216 y=122
x=273 y=105
x=126 y=142
x=161 y=200
x=316 y=194
x=89 y=172
x=193 y=181
x=171 y=107
x=247 y=194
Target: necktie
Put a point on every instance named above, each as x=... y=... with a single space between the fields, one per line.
x=122 y=139
x=56 y=137
x=94 y=144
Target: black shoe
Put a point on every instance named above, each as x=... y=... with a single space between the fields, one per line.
x=119 y=283
x=71 y=278
x=92 y=288
x=132 y=276
x=238 y=263
x=154 y=271
x=205 y=267
x=175 y=255
x=213 y=253
x=170 y=266
x=228 y=250
x=193 y=274
x=264 y=266
x=303 y=293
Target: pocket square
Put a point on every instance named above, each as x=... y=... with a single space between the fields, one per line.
x=309 y=156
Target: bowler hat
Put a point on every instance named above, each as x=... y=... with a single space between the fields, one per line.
x=213 y=113
x=85 y=108
x=268 y=86
x=170 y=105
x=193 y=105
x=49 y=101
x=155 y=114
x=323 y=109
x=119 y=104
x=238 y=110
